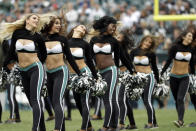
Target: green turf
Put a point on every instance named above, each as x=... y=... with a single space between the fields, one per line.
x=165 y=118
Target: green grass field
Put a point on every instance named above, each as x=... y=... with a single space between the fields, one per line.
x=165 y=117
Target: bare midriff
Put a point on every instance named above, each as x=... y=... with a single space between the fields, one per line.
x=54 y=61
x=143 y=69
x=180 y=67
x=103 y=61
x=80 y=63
x=123 y=68
x=26 y=59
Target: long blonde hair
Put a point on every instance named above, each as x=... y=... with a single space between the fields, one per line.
x=92 y=33
x=7 y=29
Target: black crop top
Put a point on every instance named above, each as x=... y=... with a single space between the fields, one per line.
x=112 y=47
x=85 y=54
x=6 y=46
x=174 y=54
x=194 y=56
x=38 y=44
x=65 y=48
x=150 y=60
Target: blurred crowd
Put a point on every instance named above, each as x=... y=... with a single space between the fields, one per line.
x=134 y=14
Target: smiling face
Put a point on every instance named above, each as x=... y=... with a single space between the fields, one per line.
x=80 y=29
x=188 y=38
x=111 y=29
x=32 y=21
x=146 y=44
x=56 y=27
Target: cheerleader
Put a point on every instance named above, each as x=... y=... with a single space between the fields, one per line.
x=192 y=28
x=181 y=53
x=11 y=90
x=103 y=45
x=57 y=71
x=28 y=49
x=144 y=60
x=81 y=52
x=127 y=43
x=193 y=96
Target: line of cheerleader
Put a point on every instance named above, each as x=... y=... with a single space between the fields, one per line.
x=99 y=61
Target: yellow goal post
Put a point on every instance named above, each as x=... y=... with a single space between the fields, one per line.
x=158 y=17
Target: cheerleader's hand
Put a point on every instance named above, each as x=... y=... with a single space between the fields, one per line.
x=11 y=66
x=134 y=72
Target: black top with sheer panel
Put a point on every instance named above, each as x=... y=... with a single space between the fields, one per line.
x=152 y=59
x=80 y=43
x=25 y=34
x=65 y=48
x=115 y=48
x=172 y=55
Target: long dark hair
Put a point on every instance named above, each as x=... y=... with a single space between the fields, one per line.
x=192 y=29
x=127 y=42
x=70 y=34
x=179 y=40
x=102 y=24
x=153 y=43
x=48 y=27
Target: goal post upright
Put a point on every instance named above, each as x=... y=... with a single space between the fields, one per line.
x=158 y=17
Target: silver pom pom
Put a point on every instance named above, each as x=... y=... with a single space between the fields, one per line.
x=161 y=90
x=100 y=87
x=125 y=78
x=192 y=85
x=44 y=90
x=166 y=75
x=80 y=84
x=14 y=76
x=72 y=78
x=134 y=84
x=136 y=94
x=3 y=80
